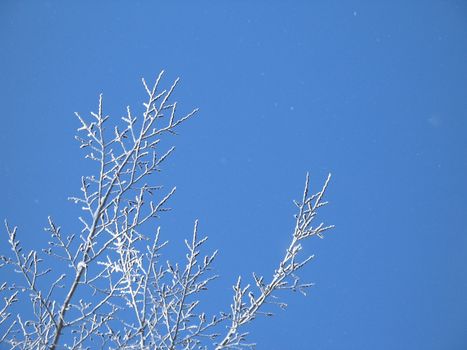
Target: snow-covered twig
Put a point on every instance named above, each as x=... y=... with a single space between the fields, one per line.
x=116 y=292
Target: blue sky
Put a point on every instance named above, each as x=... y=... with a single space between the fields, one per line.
x=373 y=92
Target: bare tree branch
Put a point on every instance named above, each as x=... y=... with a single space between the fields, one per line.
x=121 y=295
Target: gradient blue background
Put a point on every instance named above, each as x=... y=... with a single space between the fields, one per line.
x=373 y=91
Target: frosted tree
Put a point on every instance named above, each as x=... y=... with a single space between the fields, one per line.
x=117 y=292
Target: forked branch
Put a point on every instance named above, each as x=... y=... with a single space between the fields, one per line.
x=120 y=294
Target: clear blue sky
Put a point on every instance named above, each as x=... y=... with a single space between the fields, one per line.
x=373 y=91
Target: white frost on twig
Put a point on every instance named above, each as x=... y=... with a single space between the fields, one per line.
x=119 y=295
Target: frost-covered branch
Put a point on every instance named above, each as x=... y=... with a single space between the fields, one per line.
x=111 y=288
x=243 y=311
